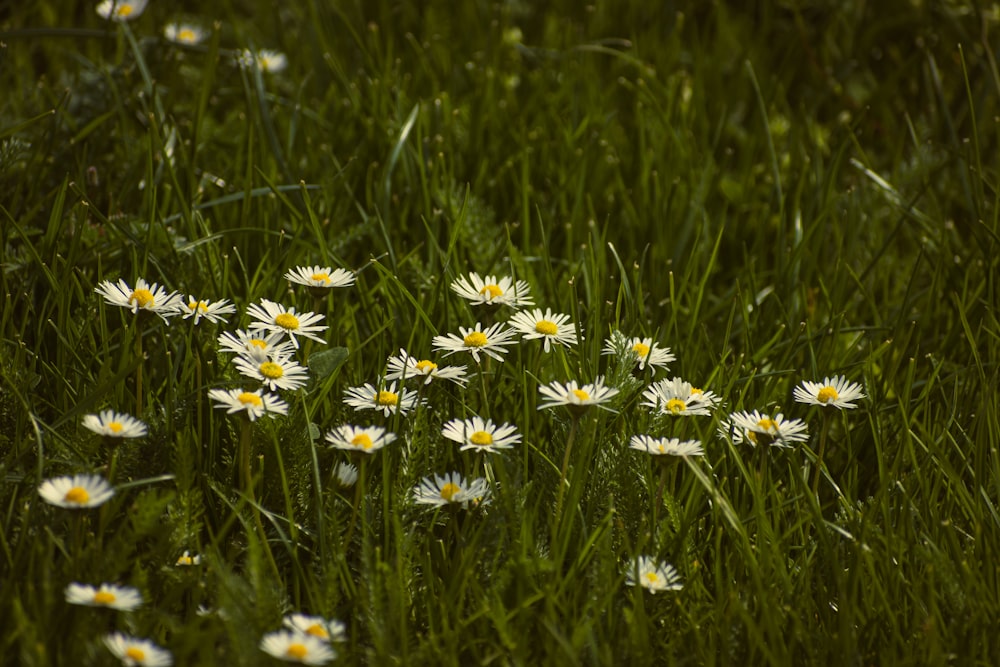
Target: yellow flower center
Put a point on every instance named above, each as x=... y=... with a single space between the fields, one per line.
x=386 y=398
x=641 y=349
x=124 y=10
x=652 y=577
x=77 y=495
x=317 y=630
x=287 y=321
x=136 y=654
x=248 y=398
x=481 y=438
x=322 y=277
x=475 y=339
x=580 y=394
x=827 y=394
x=297 y=651
x=116 y=427
x=185 y=560
x=426 y=366
x=142 y=297
x=768 y=424
x=104 y=597
x=271 y=370
x=695 y=391
x=661 y=449
x=186 y=35
x=449 y=490
x=362 y=440
x=676 y=406
x=199 y=306
x=258 y=343
x=493 y=290
x=546 y=328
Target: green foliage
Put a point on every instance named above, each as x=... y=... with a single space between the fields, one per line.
x=776 y=191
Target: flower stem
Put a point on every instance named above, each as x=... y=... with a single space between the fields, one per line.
x=822 y=450
x=138 y=368
x=565 y=467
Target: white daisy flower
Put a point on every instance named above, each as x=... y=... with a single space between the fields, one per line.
x=214 y=312
x=115 y=425
x=299 y=647
x=274 y=373
x=678 y=398
x=482 y=436
x=188 y=559
x=121 y=10
x=756 y=428
x=492 y=342
x=320 y=276
x=268 y=60
x=835 y=391
x=648 y=573
x=184 y=33
x=145 y=297
x=254 y=403
x=367 y=439
x=388 y=400
x=327 y=629
x=135 y=652
x=548 y=326
x=403 y=365
x=493 y=291
x=451 y=489
x=645 y=350
x=249 y=342
x=666 y=446
x=76 y=492
x=574 y=396
x=273 y=316
x=346 y=474
x=122 y=598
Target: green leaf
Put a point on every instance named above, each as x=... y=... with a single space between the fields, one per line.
x=324 y=363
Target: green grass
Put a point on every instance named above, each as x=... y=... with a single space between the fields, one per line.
x=777 y=191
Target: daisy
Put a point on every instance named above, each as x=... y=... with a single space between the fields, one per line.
x=388 y=400
x=184 y=33
x=760 y=429
x=491 y=291
x=241 y=342
x=274 y=373
x=113 y=424
x=346 y=474
x=571 y=395
x=267 y=60
x=187 y=559
x=451 y=489
x=76 y=492
x=211 y=311
x=646 y=352
x=483 y=436
x=145 y=297
x=273 y=316
x=327 y=629
x=549 y=327
x=835 y=391
x=297 y=647
x=320 y=276
x=122 y=598
x=666 y=446
x=134 y=652
x=648 y=573
x=254 y=403
x=121 y=10
x=677 y=397
x=365 y=439
x=492 y=342
x=404 y=366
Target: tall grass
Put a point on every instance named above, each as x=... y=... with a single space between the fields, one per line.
x=777 y=192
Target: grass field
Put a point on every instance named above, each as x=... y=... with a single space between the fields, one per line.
x=779 y=192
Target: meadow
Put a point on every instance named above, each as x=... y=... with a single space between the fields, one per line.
x=499 y=333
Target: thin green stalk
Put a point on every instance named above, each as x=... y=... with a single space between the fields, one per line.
x=822 y=450
x=565 y=468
